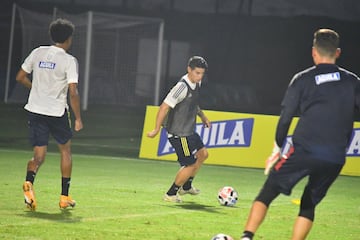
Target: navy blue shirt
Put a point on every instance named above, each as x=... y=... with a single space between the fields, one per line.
x=324 y=97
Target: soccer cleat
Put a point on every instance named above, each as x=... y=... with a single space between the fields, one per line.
x=192 y=191
x=29 y=195
x=66 y=201
x=172 y=198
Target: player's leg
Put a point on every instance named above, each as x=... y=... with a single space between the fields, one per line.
x=184 y=150
x=187 y=187
x=281 y=180
x=60 y=129
x=38 y=137
x=259 y=208
x=321 y=178
x=66 y=169
x=201 y=154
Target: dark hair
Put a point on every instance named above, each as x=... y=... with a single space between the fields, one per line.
x=60 y=30
x=326 y=41
x=197 y=61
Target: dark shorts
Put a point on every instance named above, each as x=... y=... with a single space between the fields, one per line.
x=41 y=126
x=186 y=148
x=286 y=174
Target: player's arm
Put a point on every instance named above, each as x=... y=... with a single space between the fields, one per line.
x=289 y=105
x=74 y=98
x=22 y=77
x=203 y=117
x=160 y=117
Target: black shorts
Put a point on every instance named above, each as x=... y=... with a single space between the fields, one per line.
x=40 y=126
x=186 y=148
x=286 y=174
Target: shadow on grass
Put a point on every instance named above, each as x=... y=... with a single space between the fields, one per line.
x=195 y=206
x=62 y=216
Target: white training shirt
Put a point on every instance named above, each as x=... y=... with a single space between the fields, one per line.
x=178 y=92
x=53 y=69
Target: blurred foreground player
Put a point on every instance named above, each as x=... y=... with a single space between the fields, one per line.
x=180 y=108
x=325 y=97
x=54 y=74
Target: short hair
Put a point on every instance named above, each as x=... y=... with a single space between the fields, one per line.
x=197 y=61
x=326 y=42
x=60 y=30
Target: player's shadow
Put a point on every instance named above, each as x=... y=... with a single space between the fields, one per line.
x=64 y=216
x=197 y=207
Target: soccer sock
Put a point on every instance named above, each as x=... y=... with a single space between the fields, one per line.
x=247 y=235
x=173 y=190
x=188 y=183
x=65 y=185
x=30 y=176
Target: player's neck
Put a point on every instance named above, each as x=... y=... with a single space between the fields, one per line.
x=61 y=45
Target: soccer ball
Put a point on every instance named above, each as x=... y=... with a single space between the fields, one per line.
x=227 y=196
x=221 y=236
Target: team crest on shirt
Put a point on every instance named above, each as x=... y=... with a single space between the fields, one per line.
x=48 y=65
x=329 y=77
x=230 y=133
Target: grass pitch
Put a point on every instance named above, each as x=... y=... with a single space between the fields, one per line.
x=121 y=198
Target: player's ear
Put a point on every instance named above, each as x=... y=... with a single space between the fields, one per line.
x=313 y=52
x=338 y=52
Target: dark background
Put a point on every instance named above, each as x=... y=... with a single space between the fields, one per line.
x=251 y=58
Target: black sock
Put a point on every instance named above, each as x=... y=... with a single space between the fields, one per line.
x=30 y=176
x=173 y=189
x=247 y=234
x=65 y=185
x=188 y=183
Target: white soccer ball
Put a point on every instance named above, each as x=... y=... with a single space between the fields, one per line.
x=221 y=236
x=227 y=196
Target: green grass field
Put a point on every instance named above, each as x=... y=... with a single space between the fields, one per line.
x=120 y=196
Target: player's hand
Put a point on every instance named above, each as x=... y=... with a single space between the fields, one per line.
x=153 y=133
x=273 y=159
x=207 y=123
x=78 y=125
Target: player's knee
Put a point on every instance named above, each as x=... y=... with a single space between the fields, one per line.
x=38 y=160
x=307 y=206
x=267 y=194
x=308 y=213
x=202 y=155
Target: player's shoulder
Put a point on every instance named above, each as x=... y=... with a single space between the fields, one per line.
x=181 y=84
x=40 y=49
x=348 y=74
x=299 y=76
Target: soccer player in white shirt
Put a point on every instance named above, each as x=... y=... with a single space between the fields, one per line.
x=54 y=75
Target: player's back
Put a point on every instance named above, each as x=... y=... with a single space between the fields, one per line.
x=328 y=98
x=50 y=66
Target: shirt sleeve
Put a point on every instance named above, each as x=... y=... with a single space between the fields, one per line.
x=28 y=64
x=290 y=106
x=72 y=72
x=357 y=94
x=176 y=94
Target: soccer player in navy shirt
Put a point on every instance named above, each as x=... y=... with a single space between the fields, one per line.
x=324 y=97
